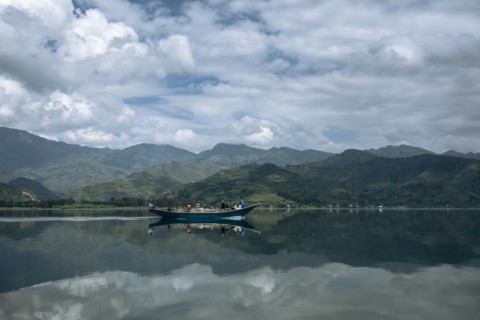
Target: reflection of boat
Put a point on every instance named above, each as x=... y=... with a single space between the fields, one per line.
x=205 y=222
x=194 y=214
x=191 y=223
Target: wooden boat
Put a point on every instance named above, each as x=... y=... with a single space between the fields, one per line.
x=237 y=214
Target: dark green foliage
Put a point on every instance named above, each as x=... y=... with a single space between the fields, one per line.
x=144 y=155
x=236 y=155
x=33 y=187
x=351 y=178
x=64 y=168
x=425 y=180
x=11 y=196
x=251 y=182
x=469 y=155
x=279 y=176
x=148 y=184
x=402 y=151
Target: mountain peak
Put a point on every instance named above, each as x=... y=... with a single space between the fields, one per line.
x=349 y=157
x=401 y=151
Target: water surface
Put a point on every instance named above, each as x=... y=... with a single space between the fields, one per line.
x=300 y=264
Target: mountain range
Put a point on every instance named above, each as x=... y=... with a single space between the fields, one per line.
x=32 y=168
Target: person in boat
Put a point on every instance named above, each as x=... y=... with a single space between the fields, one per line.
x=189 y=206
x=223 y=206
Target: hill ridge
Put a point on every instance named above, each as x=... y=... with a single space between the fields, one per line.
x=321 y=177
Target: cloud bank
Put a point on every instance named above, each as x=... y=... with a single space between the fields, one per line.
x=304 y=74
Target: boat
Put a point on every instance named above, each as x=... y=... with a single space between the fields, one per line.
x=234 y=214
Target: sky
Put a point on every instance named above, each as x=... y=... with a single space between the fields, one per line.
x=323 y=75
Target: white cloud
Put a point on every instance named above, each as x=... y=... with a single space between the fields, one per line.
x=90 y=136
x=14 y=100
x=373 y=69
x=177 y=53
x=184 y=136
x=91 y=35
x=261 y=137
x=51 y=13
x=69 y=109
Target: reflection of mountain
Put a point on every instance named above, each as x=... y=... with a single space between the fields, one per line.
x=367 y=238
x=52 y=250
x=395 y=239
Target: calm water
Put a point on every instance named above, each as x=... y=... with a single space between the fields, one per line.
x=294 y=265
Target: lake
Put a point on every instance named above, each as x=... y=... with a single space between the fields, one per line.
x=315 y=264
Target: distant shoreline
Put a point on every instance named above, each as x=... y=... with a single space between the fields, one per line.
x=266 y=208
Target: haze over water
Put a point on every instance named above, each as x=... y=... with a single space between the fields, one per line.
x=301 y=264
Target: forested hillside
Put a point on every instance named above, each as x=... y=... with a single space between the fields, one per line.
x=34 y=169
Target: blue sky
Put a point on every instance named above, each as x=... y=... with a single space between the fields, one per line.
x=324 y=75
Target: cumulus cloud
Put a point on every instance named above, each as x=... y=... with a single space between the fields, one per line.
x=51 y=14
x=177 y=53
x=261 y=137
x=184 y=136
x=91 y=35
x=11 y=94
x=71 y=109
x=92 y=136
x=386 y=72
x=255 y=131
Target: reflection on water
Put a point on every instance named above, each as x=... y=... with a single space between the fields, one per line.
x=361 y=265
x=334 y=290
x=224 y=225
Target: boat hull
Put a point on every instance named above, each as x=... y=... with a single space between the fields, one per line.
x=230 y=214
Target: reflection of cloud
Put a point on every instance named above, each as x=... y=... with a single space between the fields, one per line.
x=335 y=291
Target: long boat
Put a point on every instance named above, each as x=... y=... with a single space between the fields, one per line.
x=236 y=214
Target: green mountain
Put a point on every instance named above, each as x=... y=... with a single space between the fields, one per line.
x=255 y=183
x=402 y=151
x=144 y=155
x=33 y=187
x=351 y=178
x=424 y=180
x=237 y=155
x=11 y=196
x=470 y=155
x=394 y=175
x=147 y=184
x=63 y=167
x=20 y=149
